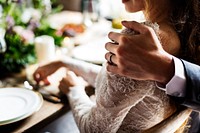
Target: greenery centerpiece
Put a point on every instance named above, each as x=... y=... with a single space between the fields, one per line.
x=22 y=21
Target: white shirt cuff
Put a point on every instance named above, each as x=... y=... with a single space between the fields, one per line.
x=177 y=85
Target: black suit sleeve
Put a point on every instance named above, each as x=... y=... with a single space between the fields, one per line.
x=192 y=98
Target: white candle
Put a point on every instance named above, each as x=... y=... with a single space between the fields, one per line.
x=45 y=48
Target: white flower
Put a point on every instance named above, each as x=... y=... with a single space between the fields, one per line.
x=30 y=13
x=26 y=35
x=1 y=11
x=47 y=4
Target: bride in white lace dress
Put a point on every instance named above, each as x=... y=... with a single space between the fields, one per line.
x=122 y=104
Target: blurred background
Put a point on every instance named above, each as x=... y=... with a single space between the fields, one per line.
x=107 y=8
x=36 y=32
x=39 y=31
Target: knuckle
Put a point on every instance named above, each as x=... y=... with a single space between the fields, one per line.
x=120 y=51
x=121 y=61
x=123 y=39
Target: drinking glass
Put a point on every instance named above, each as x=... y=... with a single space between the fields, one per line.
x=90 y=12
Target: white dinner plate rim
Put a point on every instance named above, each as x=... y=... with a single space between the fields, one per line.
x=23 y=116
x=79 y=50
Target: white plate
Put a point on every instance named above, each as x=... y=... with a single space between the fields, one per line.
x=91 y=52
x=58 y=20
x=17 y=104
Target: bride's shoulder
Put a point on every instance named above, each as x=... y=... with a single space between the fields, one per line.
x=169 y=39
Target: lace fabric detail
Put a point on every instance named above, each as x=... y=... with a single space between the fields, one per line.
x=146 y=103
x=122 y=105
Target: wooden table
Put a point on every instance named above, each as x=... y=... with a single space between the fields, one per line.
x=36 y=121
x=47 y=113
x=51 y=115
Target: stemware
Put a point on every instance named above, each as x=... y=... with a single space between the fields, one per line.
x=45 y=94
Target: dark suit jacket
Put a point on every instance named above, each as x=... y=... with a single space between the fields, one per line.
x=192 y=99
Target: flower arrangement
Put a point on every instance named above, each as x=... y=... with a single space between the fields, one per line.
x=20 y=22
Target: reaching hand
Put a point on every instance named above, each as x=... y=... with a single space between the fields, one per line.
x=140 y=56
x=43 y=72
x=71 y=80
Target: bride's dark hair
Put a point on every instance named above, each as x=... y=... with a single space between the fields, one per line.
x=185 y=17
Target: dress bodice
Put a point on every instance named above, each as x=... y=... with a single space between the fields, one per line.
x=122 y=104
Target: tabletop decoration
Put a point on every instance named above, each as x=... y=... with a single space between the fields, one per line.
x=23 y=21
x=44 y=48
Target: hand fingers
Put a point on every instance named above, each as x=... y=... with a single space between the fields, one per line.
x=46 y=81
x=70 y=78
x=76 y=79
x=64 y=81
x=114 y=37
x=82 y=81
x=111 y=47
x=63 y=86
x=39 y=76
x=71 y=75
x=112 y=68
x=36 y=76
x=141 y=28
x=111 y=58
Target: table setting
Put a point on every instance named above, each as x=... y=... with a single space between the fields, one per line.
x=33 y=34
x=18 y=103
x=23 y=103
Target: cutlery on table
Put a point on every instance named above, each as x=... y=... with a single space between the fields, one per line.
x=45 y=94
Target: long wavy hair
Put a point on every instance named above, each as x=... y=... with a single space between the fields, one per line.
x=185 y=17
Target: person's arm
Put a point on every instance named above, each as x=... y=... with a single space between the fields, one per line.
x=88 y=71
x=192 y=98
x=177 y=84
x=103 y=115
x=84 y=69
x=142 y=57
x=184 y=86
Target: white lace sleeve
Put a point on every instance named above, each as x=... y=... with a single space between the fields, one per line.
x=93 y=117
x=122 y=104
x=80 y=104
x=84 y=69
x=111 y=107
